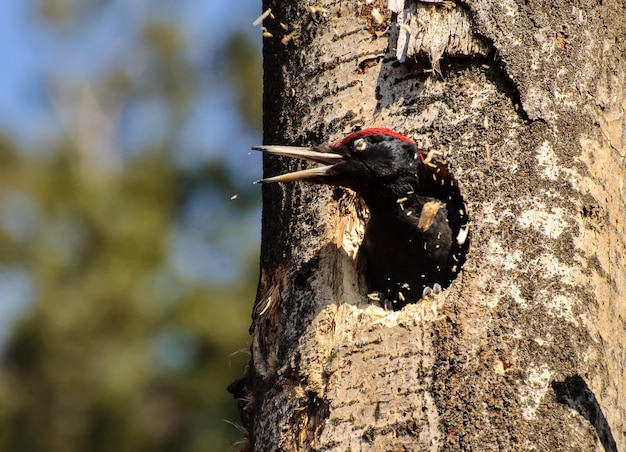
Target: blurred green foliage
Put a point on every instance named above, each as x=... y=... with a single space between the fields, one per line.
x=236 y=58
x=119 y=351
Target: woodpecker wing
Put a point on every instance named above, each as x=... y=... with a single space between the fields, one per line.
x=304 y=153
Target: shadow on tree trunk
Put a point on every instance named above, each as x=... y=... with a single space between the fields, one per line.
x=574 y=392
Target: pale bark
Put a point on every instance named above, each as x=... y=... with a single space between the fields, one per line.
x=527 y=348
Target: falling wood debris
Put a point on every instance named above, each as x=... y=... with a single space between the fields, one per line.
x=262 y=17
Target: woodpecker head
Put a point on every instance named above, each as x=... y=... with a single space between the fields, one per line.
x=416 y=209
x=373 y=161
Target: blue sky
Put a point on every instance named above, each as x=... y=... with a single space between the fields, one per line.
x=33 y=54
x=20 y=102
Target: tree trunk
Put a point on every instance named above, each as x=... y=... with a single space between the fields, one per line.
x=527 y=348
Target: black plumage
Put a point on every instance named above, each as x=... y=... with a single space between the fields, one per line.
x=416 y=236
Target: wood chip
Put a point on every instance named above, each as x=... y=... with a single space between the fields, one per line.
x=429 y=212
x=262 y=17
x=288 y=37
x=378 y=17
x=462 y=235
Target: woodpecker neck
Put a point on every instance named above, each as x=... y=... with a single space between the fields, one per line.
x=395 y=199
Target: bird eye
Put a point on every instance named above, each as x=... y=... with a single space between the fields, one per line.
x=360 y=145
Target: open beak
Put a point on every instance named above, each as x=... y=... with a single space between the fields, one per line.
x=305 y=153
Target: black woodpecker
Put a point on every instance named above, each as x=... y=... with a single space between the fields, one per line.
x=416 y=237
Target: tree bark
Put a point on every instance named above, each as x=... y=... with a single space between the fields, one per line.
x=526 y=350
